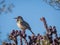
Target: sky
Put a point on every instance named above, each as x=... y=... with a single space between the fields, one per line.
x=31 y=11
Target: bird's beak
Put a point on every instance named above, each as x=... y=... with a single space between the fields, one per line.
x=15 y=18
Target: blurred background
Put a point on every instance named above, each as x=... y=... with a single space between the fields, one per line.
x=31 y=11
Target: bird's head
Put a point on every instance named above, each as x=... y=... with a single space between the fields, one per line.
x=19 y=18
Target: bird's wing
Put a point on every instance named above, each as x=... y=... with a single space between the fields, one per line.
x=26 y=24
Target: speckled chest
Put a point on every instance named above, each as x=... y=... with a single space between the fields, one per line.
x=21 y=26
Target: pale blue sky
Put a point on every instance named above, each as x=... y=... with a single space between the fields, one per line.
x=31 y=11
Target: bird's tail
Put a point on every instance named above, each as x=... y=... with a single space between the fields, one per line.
x=32 y=32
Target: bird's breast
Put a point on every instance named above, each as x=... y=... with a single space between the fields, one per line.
x=21 y=26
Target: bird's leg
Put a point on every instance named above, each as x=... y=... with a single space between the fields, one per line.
x=23 y=33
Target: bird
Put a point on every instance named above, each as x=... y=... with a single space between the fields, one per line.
x=22 y=24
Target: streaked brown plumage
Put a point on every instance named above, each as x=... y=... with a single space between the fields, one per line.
x=23 y=25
